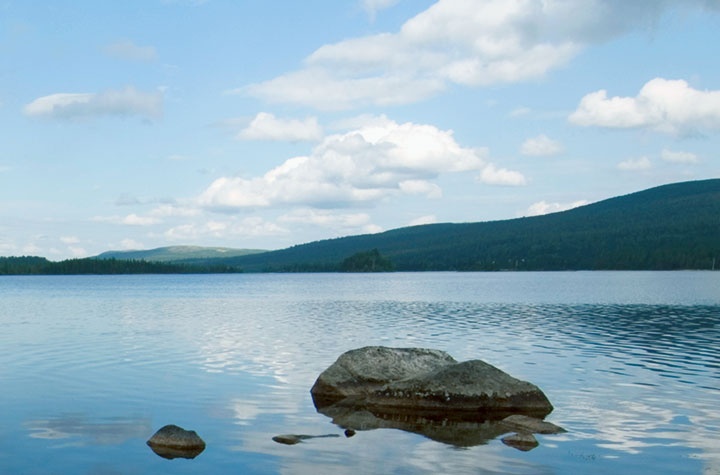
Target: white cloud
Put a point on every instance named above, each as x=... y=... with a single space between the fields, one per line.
x=266 y=126
x=420 y=187
x=343 y=223
x=247 y=227
x=539 y=146
x=492 y=175
x=321 y=88
x=543 y=207
x=635 y=164
x=457 y=42
x=124 y=102
x=69 y=240
x=679 y=157
x=127 y=50
x=453 y=41
x=669 y=106
x=375 y=161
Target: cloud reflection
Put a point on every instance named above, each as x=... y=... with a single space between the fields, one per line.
x=111 y=431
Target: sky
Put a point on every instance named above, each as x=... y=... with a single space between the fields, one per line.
x=248 y=124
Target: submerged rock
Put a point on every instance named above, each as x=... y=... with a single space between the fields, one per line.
x=172 y=442
x=292 y=439
x=531 y=425
x=417 y=380
x=522 y=441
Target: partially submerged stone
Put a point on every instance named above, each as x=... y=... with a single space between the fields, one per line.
x=172 y=441
x=292 y=439
x=417 y=379
x=522 y=441
x=531 y=425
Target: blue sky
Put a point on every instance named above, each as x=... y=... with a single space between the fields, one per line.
x=139 y=124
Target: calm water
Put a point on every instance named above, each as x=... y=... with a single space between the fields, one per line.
x=91 y=366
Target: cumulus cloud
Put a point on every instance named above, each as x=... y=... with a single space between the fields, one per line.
x=376 y=161
x=127 y=50
x=462 y=42
x=492 y=175
x=669 y=106
x=266 y=126
x=679 y=157
x=539 y=146
x=123 y=102
x=543 y=207
x=635 y=164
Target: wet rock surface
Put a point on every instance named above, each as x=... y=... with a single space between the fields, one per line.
x=428 y=392
x=424 y=379
x=292 y=439
x=172 y=441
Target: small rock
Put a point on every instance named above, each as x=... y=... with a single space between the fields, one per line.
x=172 y=441
x=288 y=439
x=349 y=433
x=523 y=441
x=292 y=439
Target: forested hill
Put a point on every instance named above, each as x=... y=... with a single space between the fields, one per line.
x=178 y=254
x=673 y=226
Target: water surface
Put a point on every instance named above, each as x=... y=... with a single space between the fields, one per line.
x=91 y=366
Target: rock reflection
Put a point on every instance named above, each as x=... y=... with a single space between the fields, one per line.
x=175 y=453
x=459 y=430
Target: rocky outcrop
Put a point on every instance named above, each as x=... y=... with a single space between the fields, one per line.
x=172 y=442
x=357 y=373
x=420 y=381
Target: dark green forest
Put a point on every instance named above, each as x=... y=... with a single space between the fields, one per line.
x=670 y=227
x=31 y=265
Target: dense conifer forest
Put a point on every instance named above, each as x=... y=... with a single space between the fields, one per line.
x=670 y=227
x=31 y=265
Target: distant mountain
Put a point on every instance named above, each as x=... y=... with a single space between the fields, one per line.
x=179 y=254
x=673 y=226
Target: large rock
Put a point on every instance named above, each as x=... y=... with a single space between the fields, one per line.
x=357 y=373
x=417 y=380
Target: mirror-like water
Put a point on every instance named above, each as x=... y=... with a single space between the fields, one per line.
x=92 y=366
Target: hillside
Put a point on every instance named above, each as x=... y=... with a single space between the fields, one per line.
x=178 y=254
x=673 y=226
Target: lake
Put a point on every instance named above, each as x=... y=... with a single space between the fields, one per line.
x=92 y=366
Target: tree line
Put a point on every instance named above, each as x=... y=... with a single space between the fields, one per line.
x=33 y=265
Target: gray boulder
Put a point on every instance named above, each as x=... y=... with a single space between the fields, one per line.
x=357 y=373
x=416 y=380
